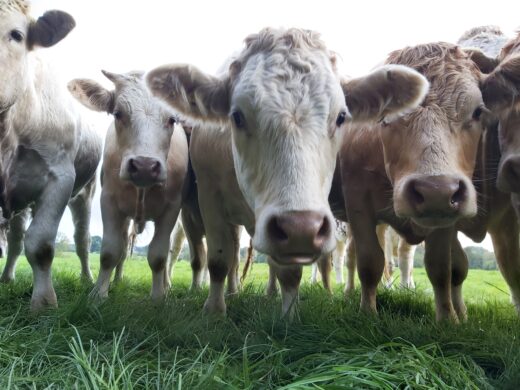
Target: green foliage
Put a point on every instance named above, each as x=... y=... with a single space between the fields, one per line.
x=127 y=342
x=478 y=258
x=95 y=244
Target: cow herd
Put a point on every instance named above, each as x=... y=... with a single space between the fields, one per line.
x=277 y=142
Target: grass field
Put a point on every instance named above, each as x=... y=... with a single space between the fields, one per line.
x=126 y=342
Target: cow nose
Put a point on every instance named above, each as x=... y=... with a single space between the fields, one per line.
x=509 y=175
x=436 y=195
x=301 y=234
x=145 y=171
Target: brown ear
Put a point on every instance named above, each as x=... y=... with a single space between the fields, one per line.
x=501 y=88
x=191 y=92
x=92 y=95
x=50 y=28
x=484 y=63
x=386 y=93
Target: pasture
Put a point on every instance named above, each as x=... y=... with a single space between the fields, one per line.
x=126 y=342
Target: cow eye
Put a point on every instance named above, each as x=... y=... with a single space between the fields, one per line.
x=171 y=121
x=118 y=115
x=16 y=35
x=341 y=118
x=238 y=118
x=477 y=113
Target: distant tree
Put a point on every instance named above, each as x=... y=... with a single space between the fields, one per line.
x=95 y=244
x=62 y=244
x=478 y=258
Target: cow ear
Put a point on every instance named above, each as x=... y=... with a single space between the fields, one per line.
x=92 y=95
x=385 y=94
x=501 y=88
x=50 y=28
x=484 y=63
x=191 y=92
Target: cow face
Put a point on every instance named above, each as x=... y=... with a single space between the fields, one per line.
x=430 y=153
x=283 y=101
x=20 y=34
x=501 y=90
x=143 y=125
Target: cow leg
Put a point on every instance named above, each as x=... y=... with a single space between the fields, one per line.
x=459 y=272
x=118 y=276
x=158 y=251
x=405 y=255
x=385 y=240
x=289 y=278
x=351 y=266
x=272 y=288
x=80 y=207
x=40 y=237
x=114 y=245
x=314 y=272
x=233 y=282
x=437 y=260
x=177 y=239
x=338 y=260
x=504 y=234
x=198 y=257
x=325 y=266
x=15 y=236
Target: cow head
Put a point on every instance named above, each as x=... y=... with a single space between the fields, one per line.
x=430 y=154
x=282 y=99
x=501 y=90
x=143 y=124
x=19 y=35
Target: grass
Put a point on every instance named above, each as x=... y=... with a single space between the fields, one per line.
x=126 y=342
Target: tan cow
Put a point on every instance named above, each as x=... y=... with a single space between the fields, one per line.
x=48 y=154
x=144 y=173
x=424 y=191
x=268 y=130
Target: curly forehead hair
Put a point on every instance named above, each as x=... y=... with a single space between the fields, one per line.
x=15 y=5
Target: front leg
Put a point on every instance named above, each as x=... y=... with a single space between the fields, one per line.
x=325 y=266
x=459 y=272
x=437 y=260
x=177 y=239
x=80 y=207
x=40 y=237
x=114 y=245
x=405 y=255
x=271 y=288
x=233 y=282
x=289 y=277
x=15 y=236
x=158 y=251
x=338 y=260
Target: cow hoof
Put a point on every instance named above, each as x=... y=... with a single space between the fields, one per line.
x=87 y=279
x=212 y=308
x=43 y=302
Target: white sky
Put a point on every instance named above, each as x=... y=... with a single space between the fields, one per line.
x=120 y=36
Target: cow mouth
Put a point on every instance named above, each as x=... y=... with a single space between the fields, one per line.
x=295 y=259
x=435 y=221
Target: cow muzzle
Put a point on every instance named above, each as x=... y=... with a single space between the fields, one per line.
x=436 y=201
x=298 y=237
x=144 y=171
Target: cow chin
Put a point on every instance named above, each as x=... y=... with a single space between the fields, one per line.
x=294 y=259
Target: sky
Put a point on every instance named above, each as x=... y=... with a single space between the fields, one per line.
x=120 y=36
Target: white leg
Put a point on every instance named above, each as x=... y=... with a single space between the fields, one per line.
x=406 y=255
x=177 y=240
x=338 y=260
x=314 y=273
x=15 y=236
x=289 y=278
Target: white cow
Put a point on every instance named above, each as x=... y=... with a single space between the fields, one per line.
x=48 y=153
x=264 y=148
x=144 y=172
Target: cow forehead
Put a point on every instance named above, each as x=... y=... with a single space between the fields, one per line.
x=21 y=6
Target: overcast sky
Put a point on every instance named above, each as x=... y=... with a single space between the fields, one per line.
x=120 y=36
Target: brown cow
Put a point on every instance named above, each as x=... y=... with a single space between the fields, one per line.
x=415 y=173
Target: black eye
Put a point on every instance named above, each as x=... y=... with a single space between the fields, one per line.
x=16 y=35
x=341 y=118
x=171 y=121
x=118 y=115
x=477 y=113
x=238 y=118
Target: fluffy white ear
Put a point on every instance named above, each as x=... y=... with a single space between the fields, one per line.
x=92 y=95
x=385 y=94
x=191 y=92
x=501 y=88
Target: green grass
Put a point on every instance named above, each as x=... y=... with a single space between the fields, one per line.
x=126 y=342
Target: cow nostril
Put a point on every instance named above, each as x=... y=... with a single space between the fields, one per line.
x=132 y=167
x=415 y=196
x=156 y=168
x=459 y=195
x=276 y=231
x=324 y=230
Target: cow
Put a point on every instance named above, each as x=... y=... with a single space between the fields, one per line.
x=500 y=152
x=48 y=153
x=80 y=207
x=425 y=191
x=265 y=142
x=144 y=172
